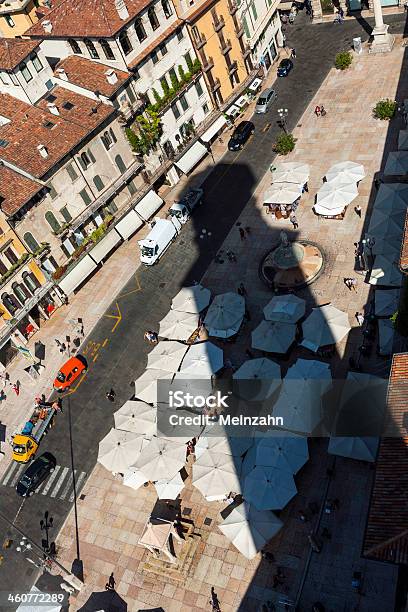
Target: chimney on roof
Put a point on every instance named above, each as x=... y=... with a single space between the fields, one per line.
x=47 y=25
x=52 y=108
x=111 y=76
x=62 y=74
x=121 y=7
x=42 y=151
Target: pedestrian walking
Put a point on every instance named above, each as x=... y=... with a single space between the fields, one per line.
x=151 y=337
x=317 y=111
x=305 y=188
x=241 y=290
x=58 y=343
x=294 y=221
x=347 y=282
x=341 y=13
x=406 y=6
x=377 y=183
x=63 y=347
x=110 y=585
x=353 y=284
x=293 y=53
x=323 y=111
x=242 y=234
x=214 y=601
x=110 y=395
x=360 y=318
x=3 y=396
x=357 y=210
x=16 y=388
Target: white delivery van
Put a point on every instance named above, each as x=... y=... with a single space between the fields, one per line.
x=183 y=209
x=163 y=233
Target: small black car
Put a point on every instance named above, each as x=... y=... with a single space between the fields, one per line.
x=35 y=474
x=240 y=135
x=285 y=67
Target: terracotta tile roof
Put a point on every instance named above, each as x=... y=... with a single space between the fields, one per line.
x=86 y=18
x=386 y=536
x=15 y=190
x=91 y=75
x=31 y=126
x=14 y=50
x=197 y=11
x=403 y=262
x=157 y=41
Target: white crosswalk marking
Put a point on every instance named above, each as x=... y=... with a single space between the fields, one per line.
x=79 y=484
x=17 y=476
x=12 y=468
x=50 y=480
x=59 y=483
x=68 y=486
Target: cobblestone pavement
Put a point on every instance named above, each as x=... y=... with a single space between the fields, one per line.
x=112 y=517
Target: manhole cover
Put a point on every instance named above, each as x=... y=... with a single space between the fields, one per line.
x=207 y=521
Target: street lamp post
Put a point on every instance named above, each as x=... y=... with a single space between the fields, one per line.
x=283 y=113
x=46 y=524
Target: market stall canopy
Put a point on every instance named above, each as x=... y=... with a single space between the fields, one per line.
x=385 y=246
x=363 y=449
x=192 y=383
x=273 y=336
x=166 y=356
x=396 y=164
x=351 y=170
x=134 y=478
x=280 y=449
x=335 y=194
x=324 y=212
x=191 y=157
x=249 y=529
x=191 y=299
x=213 y=129
x=285 y=308
x=385 y=272
x=386 y=332
x=204 y=359
x=225 y=314
x=290 y=172
x=269 y=488
x=324 y=326
x=391 y=196
x=403 y=140
x=282 y=193
x=300 y=404
x=257 y=379
x=137 y=417
x=216 y=474
x=178 y=325
x=118 y=450
x=169 y=489
x=309 y=369
x=386 y=228
x=380 y=216
x=386 y=302
x=228 y=445
x=254 y=86
x=146 y=385
x=161 y=459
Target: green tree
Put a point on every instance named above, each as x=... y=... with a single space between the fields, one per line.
x=175 y=83
x=385 y=109
x=148 y=130
x=343 y=60
x=182 y=74
x=156 y=96
x=285 y=143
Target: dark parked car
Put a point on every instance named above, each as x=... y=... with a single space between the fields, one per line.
x=285 y=67
x=240 y=135
x=35 y=474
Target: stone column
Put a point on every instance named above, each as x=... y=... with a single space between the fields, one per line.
x=317 y=11
x=383 y=41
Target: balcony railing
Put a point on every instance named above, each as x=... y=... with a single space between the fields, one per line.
x=209 y=64
x=200 y=40
x=245 y=51
x=233 y=67
x=239 y=31
x=232 y=7
x=225 y=46
x=218 y=23
x=215 y=85
x=11 y=272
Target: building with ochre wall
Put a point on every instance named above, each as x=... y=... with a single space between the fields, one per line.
x=16 y=16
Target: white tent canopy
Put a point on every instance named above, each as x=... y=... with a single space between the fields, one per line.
x=249 y=529
x=191 y=299
x=283 y=193
x=290 y=172
x=166 y=356
x=386 y=302
x=146 y=385
x=273 y=337
x=269 y=488
x=257 y=379
x=280 y=449
x=134 y=478
x=225 y=314
x=191 y=157
x=204 y=359
x=161 y=459
x=169 y=489
x=335 y=194
x=348 y=169
x=216 y=474
x=385 y=272
x=363 y=449
x=285 y=308
x=137 y=417
x=324 y=326
x=118 y=450
x=178 y=325
x=397 y=163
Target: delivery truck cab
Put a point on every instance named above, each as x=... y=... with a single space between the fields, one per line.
x=183 y=209
x=163 y=233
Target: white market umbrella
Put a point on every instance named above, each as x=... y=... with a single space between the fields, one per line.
x=273 y=337
x=225 y=314
x=282 y=193
x=391 y=196
x=385 y=272
x=300 y=404
x=166 y=356
x=134 y=478
x=178 y=325
x=228 y=445
x=161 y=459
x=324 y=212
x=336 y=194
x=191 y=299
x=290 y=172
x=386 y=332
x=118 y=450
x=146 y=385
x=169 y=489
x=347 y=169
x=386 y=302
x=257 y=379
x=269 y=488
x=204 y=359
x=324 y=326
x=249 y=529
x=137 y=417
x=286 y=451
x=216 y=474
x=191 y=383
x=309 y=369
x=397 y=163
x=285 y=308
x=363 y=449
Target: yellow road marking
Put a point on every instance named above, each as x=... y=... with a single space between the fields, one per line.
x=105 y=342
x=118 y=318
x=95 y=358
x=138 y=288
x=73 y=389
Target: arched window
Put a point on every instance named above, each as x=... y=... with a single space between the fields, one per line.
x=154 y=22
x=85 y=161
x=31 y=242
x=125 y=43
x=167 y=10
x=107 y=140
x=31 y=281
x=74 y=46
x=10 y=302
x=140 y=31
x=25 y=72
x=19 y=293
x=91 y=48
x=106 y=48
x=52 y=221
x=98 y=182
x=120 y=163
x=113 y=135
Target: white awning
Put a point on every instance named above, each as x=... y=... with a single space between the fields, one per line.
x=214 y=129
x=77 y=275
x=129 y=224
x=148 y=205
x=105 y=246
x=232 y=111
x=191 y=158
x=255 y=84
x=285 y=6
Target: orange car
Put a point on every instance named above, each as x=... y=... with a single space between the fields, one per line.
x=69 y=372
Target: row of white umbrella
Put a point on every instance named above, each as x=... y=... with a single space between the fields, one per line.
x=288 y=179
x=340 y=188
